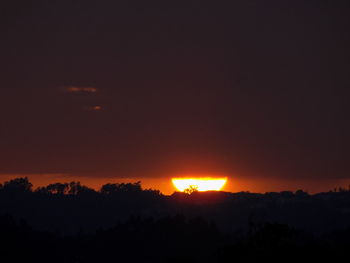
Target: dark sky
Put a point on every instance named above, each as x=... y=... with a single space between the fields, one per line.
x=147 y=88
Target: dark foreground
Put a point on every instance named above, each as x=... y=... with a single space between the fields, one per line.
x=123 y=223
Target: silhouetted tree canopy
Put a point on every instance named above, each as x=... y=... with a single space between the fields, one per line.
x=19 y=185
x=69 y=207
x=121 y=188
x=191 y=189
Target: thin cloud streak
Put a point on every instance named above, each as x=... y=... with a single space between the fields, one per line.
x=80 y=89
x=93 y=108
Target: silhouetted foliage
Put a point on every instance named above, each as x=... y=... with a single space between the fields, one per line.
x=57 y=188
x=301 y=193
x=19 y=185
x=69 y=222
x=72 y=188
x=191 y=189
x=121 y=188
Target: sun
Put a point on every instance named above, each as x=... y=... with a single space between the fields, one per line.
x=200 y=184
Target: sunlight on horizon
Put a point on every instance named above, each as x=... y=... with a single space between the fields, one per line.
x=200 y=184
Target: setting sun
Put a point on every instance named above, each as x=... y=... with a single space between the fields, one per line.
x=200 y=184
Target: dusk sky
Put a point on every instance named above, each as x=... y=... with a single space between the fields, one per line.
x=250 y=89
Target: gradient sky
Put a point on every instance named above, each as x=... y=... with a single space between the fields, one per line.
x=248 y=89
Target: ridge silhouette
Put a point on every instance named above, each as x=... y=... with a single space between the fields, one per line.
x=69 y=222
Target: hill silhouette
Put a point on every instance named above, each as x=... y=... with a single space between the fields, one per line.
x=69 y=222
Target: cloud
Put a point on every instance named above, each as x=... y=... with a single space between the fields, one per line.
x=93 y=108
x=80 y=89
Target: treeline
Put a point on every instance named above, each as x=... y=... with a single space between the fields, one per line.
x=69 y=208
x=69 y=222
x=23 y=185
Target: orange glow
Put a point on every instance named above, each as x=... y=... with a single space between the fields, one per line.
x=200 y=184
x=167 y=187
x=95 y=108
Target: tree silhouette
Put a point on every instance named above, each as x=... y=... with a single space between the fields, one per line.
x=121 y=188
x=75 y=188
x=191 y=189
x=301 y=193
x=20 y=185
x=57 y=188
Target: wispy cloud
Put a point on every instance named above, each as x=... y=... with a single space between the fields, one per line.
x=80 y=89
x=93 y=108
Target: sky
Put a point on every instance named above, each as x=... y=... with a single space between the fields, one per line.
x=253 y=90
